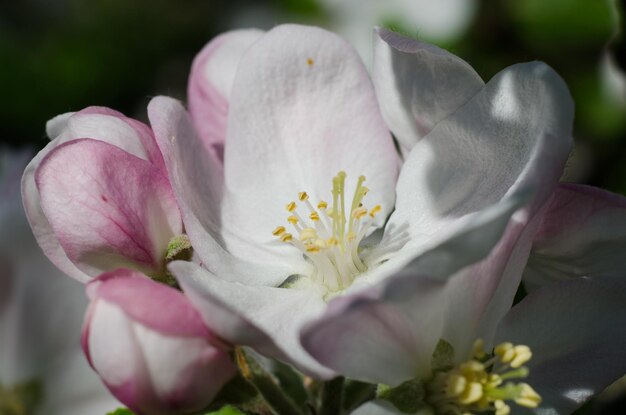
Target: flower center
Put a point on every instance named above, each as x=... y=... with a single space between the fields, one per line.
x=329 y=236
x=478 y=385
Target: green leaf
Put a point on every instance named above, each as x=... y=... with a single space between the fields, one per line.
x=443 y=356
x=22 y=398
x=227 y=410
x=407 y=397
x=122 y=411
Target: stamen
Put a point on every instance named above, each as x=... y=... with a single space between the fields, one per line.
x=329 y=236
x=472 y=387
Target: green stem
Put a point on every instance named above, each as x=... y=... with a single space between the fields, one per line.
x=265 y=383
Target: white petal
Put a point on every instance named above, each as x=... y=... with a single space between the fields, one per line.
x=302 y=109
x=266 y=318
x=514 y=134
x=418 y=85
x=197 y=180
x=395 y=325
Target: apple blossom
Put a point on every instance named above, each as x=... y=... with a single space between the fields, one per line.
x=42 y=368
x=303 y=118
x=150 y=347
x=97 y=196
x=440 y=257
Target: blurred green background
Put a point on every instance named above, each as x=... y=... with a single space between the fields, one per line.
x=59 y=56
x=63 y=55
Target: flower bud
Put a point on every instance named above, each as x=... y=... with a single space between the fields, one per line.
x=150 y=347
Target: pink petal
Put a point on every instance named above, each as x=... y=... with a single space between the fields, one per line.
x=98 y=123
x=160 y=308
x=107 y=208
x=583 y=233
x=152 y=366
x=210 y=83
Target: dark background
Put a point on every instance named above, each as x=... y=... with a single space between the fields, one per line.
x=59 y=56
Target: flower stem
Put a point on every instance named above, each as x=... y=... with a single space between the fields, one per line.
x=265 y=383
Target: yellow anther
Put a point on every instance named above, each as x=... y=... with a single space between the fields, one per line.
x=351 y=236
x=286 y=237
x=332 y=241
x=320 y=243
x=375 y=210
x=303 y=196
x=472 y=367
x=478 y=349
x=522 y=355
x=505 y=352
x=456 y=385
x=478 y=386
x=312 y=248
x=494 y=380
x=308 y=234
x=527 y=396
x=473 y=392
x=322 y=205
x=359 y=213
x=278 y=231
x=501 y=408
x=291 y=206
x=292 y=219
x=314 y=216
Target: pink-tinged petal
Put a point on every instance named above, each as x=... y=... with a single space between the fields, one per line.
x=56 y=125
x=418 y=85
x=575 y=331
x=210 y=83
x=154 y=368
x=159 y=308
x=398 y=321
x=108 y=208
x=98 y=123
x=197 y=179
x=379 y=341
x=268 y=319
x=302 y=109
x=583 y=233
x=113 y=127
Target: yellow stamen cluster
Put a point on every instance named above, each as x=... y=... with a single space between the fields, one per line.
x=478 y=385
x=330 y=236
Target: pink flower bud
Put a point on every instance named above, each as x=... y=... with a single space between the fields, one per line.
x=150 y=347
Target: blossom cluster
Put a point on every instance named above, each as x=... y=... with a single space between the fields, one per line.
x=374 y=227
